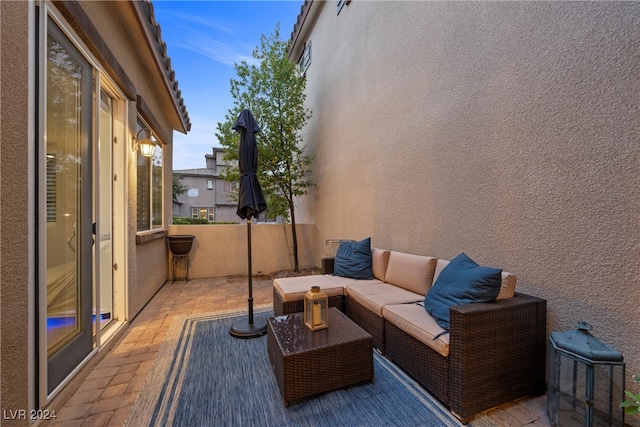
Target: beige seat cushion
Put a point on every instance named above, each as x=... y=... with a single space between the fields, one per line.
x=376 y=296
x=414 y=320
x=379 y=262
x=411 y=272
x=294 y=288
x=346 y=281
x=507 y=288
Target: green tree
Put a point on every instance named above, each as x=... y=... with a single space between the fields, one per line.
x=275 y=93
x=178 y=188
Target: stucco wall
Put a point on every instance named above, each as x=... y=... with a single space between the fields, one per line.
x=15 y=281
x=507 y=130
x=115 y=24
x=151 y=273
x=221 y=250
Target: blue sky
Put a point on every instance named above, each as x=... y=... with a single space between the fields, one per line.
x=204 y=40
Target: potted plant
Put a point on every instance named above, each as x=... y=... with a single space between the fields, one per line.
x=632 y=405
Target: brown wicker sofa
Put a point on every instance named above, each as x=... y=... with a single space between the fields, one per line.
x=494 y=352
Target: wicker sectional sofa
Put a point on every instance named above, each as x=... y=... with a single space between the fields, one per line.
x=493 y=353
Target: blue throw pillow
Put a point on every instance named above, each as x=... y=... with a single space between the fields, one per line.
x=353 y=259
x=462 y=281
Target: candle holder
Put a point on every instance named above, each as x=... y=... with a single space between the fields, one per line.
x=316 y=303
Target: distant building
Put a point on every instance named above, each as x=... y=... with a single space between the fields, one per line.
x=208 y=195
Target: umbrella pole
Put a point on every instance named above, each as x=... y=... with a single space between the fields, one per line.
x=250 y=300
x=249 y=328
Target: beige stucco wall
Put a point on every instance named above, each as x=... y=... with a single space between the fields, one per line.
x=116 y=25
x=15 y=280
x=221 y=249
x=151 y=273
x=507 y=130
x=18 y=251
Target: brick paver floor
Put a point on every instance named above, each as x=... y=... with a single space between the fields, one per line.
x=107 y=395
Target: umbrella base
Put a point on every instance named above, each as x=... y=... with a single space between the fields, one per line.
x=244 y=329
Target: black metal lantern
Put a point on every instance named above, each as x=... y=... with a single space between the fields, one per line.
x=586 y=380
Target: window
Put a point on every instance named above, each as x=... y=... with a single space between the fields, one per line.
x=341 y=4
x=305 y=59
x=150 y=212
x=230 y=187
x=204 y=213
x=209 y=184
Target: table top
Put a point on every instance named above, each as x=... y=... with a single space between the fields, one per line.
x=294 y=337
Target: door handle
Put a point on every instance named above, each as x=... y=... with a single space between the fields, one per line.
x=70 y=238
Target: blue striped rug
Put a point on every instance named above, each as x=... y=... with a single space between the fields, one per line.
x=202 y=376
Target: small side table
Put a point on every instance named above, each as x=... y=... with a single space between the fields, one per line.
x=183 y=260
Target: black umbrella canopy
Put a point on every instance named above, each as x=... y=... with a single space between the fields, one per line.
x=251 y=200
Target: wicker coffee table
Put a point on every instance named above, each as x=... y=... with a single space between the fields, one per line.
x=307 y=363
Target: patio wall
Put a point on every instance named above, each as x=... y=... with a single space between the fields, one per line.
x=16 y=220
x=507 y=130
x=221 y=249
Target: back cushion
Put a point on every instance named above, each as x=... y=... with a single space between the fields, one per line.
x=353 y=259
x=379 y=262
x=507 y=290
x=411 y=272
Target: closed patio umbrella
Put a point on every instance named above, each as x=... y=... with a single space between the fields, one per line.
x=250 y=203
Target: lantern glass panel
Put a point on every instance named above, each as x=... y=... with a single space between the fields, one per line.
x=315 y=309
x=584 y=392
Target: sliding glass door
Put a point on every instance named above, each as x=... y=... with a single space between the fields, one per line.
x=68 y=256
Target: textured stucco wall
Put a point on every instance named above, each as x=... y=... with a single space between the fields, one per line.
x=151 y=272
x=507 y=130
x=114 y=21
x=14 y=195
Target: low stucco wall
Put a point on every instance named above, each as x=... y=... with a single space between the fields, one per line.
x=221 y=249
x=150 y=273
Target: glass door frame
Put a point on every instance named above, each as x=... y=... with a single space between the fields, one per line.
x=118 y=165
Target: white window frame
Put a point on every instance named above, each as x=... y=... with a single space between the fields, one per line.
x=158 y=156
x=305 y=59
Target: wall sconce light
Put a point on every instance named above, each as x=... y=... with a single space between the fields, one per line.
x=144 y=142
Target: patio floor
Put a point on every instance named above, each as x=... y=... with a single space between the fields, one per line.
x=108 y=393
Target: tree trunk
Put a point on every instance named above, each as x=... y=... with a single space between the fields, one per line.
x=296 y=266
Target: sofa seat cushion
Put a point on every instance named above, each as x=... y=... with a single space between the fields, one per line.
x=376 y=296
x=411 y=272
x=507 y=287
x=414 y=320
x=346 y=281
x=294 y=288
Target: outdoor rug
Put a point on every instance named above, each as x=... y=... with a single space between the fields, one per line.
x=203 y=376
